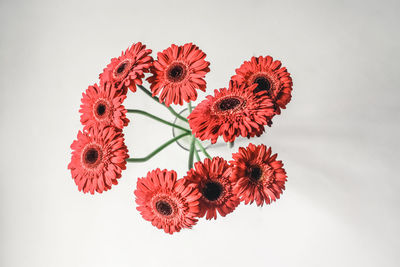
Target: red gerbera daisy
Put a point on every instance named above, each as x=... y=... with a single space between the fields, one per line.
x=269 y=76
x=166 y=202
x=213 y=179
x=230 y=113
x=178 y=72
x=259 y=176
x=98 y=157
x=102 y=106
x=128 y=70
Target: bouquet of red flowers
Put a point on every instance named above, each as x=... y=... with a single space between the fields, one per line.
x=258 y=92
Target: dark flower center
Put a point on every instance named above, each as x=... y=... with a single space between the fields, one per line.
x=263 y=84
x=163 y=207
x=229 y=103
x=101 y=109
x=91 y=155
x=176 y=72
x=121 y=68
x=255 y=173
x=212 y=190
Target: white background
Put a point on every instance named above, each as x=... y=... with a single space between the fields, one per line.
x=338 y=138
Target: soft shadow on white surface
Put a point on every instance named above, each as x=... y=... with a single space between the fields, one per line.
x=338 y=138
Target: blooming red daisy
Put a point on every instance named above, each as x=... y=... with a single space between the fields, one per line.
x=98 y=157
x=269 y=76
x=128 y=70
x=213 y=179
x=178 y=72
x=230 y=113
x=102 y=106
x=166 y=202
x=259 y=176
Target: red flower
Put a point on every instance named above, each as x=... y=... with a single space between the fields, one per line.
x=166 y=202
x=269 y=77
x=98 y=157
x=259 y=176
x=177 y=73
x=230 y=113
x=213 y=179
x=102 y=106
x=128 y=70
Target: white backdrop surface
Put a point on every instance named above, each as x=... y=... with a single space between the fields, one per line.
x=338 y=138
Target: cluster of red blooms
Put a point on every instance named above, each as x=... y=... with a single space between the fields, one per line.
x=258 y=92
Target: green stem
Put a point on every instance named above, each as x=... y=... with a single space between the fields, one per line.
x=203 y=149
x=197 y=153
x=152 y=154
x=158 y=100
x=192 y=143
x=190 y=107
x=142 y=112
x=191 y=152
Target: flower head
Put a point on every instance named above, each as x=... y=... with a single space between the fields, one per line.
x=269 y=77
x=259 y=176
x=213 y=179
x=230 y=113
x=98 y=158
x=177 y=73
x=166 y=202
x=102 y=106
x=127 y=70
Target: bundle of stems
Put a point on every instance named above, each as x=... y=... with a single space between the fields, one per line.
x=195 y=144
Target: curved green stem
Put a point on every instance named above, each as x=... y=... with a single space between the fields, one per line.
x=152 y=154
x=142 y=112
x=203 y=149
x=158 y=100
